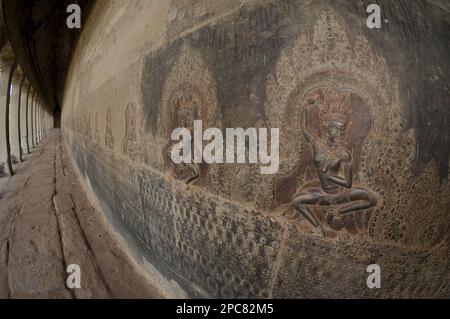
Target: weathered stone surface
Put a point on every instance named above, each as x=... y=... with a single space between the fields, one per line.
x=35 y=263
x=288 y=64
x=47 y=223
x=76 y=250
x=11 y=195
x=123 y=278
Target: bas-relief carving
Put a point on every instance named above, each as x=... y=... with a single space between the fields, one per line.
x=88 y=128
x=327 y=119
x=382 y=151
x=353 y=137
x=131 y=145
x=109 y=137
x=188 y=95
x=342 y=132
x=401 y=210
x=96 y=129
x=186 y=106
x=184 y=100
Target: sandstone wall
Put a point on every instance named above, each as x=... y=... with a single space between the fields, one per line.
x=233 y=232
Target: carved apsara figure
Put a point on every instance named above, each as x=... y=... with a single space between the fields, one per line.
x=333 y=162
x=109 y=137
x=186 y=109
x=130 y=142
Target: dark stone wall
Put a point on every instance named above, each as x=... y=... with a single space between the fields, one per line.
x=413 y=42
x=42 y=43
x=228 y=234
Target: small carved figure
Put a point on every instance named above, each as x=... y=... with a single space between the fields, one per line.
x=109 y=137
x=130 y=142
x=96 y=129
x=333 y=163
x=185 y=111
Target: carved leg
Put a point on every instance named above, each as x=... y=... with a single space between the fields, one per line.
x=195 y=173
x=360 y=199
x=300 y=203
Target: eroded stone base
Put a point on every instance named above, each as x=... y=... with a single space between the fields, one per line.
x=47 y=223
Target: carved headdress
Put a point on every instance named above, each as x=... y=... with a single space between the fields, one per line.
x=336 y=109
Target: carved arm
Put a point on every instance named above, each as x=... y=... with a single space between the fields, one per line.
x=347 y=180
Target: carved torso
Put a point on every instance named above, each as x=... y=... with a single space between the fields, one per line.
x=328 y=162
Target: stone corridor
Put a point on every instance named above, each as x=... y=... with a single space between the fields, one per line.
x=48 y=223
x=135 y=138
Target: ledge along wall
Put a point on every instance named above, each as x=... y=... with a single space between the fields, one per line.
x=141 y=68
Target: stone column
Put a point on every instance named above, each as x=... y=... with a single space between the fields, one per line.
x=14 y=123
x=39 y=124
x=33 y=97
x=7 y=70
x=21 y=106
x=41 y=120
x=35 y=113
x=44 y=124
x=47 y=122
x=23 y=116
x=27 y=116
x=38 y=106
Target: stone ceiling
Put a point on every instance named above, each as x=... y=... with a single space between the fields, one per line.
x=41 y=41
x=43 y=45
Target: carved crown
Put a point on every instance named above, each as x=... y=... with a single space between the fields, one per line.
x=335 y=109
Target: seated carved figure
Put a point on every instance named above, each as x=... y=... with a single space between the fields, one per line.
x=333 y=163
x=185 y=111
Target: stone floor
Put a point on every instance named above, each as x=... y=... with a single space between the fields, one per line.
x=48 y=223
